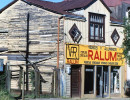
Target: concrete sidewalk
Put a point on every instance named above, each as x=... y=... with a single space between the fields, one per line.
x=82 y=99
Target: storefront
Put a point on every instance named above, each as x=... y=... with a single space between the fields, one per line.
x=96 y=71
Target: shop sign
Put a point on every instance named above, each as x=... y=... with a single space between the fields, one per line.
x=1 y=65
x=94 y=55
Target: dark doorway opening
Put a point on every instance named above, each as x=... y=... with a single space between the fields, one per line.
x=75 y=80
x=89 y=80
x=102 y=81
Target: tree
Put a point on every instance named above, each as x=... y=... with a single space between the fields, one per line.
x=126 y=42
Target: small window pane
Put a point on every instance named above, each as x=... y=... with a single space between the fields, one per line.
x=96 y=31
x=101 y=32
x=92 y=31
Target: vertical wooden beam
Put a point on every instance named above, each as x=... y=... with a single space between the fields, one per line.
x=37 y=82
x=27 y=51
x=23 y=85
x=54 y=85
x=8 y=79
x=20 y=77
x=109 y=81
x=82 y=80
x=95 y=80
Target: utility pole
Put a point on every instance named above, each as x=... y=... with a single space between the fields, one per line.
x=27 y=51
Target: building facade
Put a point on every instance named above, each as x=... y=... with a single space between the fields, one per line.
x=90 y=75
x=90 y=55
x=120 y=10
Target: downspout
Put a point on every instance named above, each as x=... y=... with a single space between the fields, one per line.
x=58 y=41
x=58 y=73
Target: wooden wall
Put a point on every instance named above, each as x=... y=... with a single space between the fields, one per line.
x=43 y=39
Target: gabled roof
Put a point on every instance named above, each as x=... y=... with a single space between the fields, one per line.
x=113 y=3
x=50 y=6
x=60 y=7
x=77 y=4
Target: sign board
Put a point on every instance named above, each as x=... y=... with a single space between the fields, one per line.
x=1 y=65
x=94 y=55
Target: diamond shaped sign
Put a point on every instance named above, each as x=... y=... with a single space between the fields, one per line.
x=115 y=37
x=75 y=33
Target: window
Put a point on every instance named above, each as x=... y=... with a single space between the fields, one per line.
x=128 y=12
x=75 y=33
x=96 y=28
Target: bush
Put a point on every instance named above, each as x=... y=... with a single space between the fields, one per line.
x=4 y=95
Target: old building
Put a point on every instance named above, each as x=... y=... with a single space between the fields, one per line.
x=120 y=10
x=88 y=42
x=90 y=55
x=43 y=29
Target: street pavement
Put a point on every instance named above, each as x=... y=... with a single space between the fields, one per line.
x=82 y=99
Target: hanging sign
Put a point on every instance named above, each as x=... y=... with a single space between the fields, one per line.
x=1 y=65
x=94 y=55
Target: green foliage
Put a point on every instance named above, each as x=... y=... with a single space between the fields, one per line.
x=2 y=80
x=4 y=95
x=31 y=96
x=32 y=77
x=126 y=42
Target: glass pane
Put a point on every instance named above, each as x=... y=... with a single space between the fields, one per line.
x=115 y=80
x=91 y=31
x=96 y=31
x=101 y=32
x=89 y=82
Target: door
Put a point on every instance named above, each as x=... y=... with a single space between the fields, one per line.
x=100 y=81
x=75 y=81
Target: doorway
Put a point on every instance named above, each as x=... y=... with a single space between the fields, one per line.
x=115 y=79
x=89 y=80
x=102 y=81
x=75 y=81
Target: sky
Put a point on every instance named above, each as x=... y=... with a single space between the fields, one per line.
x=5 y=2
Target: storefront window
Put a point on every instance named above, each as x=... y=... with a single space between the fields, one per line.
x=89 y=80
x=115 y=80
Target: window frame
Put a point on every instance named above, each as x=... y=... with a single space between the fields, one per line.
x=102 y=24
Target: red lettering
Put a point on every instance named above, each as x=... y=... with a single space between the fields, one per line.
x=70 y=61
x=90 y=55
x=101 y=56
x=106 y=56
x=96 y=56
x=113 y=57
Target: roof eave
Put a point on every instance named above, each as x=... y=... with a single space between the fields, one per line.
x=30 y=3
x=84 y=7
x=7 y=6
x=73 y=17
x=116 y=23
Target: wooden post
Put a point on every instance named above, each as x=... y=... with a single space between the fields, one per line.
x=109 y=81
x=20 y=77
x=8 y=79
x=95 y=80
x=23 y=85
x=54 y=89
x=37 y=82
